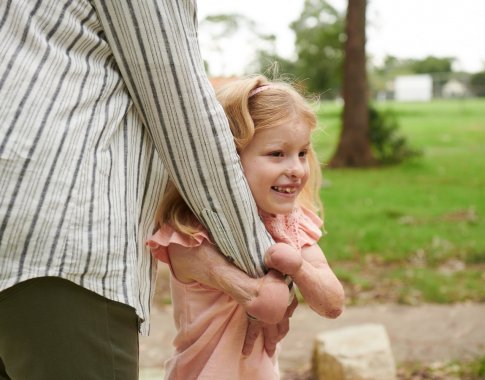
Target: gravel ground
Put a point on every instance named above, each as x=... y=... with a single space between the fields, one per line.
x=428 y=334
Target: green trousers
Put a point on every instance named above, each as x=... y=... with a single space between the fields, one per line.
x=53 y=329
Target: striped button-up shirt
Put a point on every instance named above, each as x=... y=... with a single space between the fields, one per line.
x=100 y=103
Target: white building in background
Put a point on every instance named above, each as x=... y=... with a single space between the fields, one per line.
x=413 y=88
x=454 y=89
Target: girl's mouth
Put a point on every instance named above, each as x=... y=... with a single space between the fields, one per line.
x=284 y=189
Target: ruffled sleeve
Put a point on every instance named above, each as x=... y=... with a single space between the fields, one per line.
x=166 y=235
x=309 y=227
x=299 y=228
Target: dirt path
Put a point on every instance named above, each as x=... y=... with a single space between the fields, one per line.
x=427 y=333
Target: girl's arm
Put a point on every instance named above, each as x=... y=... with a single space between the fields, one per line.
x=265 y=298
x=318 y=285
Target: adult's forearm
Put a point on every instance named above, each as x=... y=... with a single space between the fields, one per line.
x=265 y=299
x=156 y=48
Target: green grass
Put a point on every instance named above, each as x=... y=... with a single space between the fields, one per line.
x=419 y=225
x=456 y=369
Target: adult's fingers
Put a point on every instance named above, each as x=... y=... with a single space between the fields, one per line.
x=271 y=338
x=292 y=307
x=275 y=333
x=283 y=327
x=252 y=332
x=284 y=324
x=272 y=334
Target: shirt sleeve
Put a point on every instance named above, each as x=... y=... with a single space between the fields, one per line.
x=155 y=45
x=166 y=235
x=309 y=227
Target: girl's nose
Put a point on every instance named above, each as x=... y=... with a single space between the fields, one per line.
x=295 y=170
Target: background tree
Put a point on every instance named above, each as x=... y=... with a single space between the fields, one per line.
x=431 y=65
x=319 y=37
x=322 y=34
x=354 y=147
x=393 y=66
x=224 y=30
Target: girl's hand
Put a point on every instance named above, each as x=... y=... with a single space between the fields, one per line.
x=284 y=258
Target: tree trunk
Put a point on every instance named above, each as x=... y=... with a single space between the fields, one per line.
x=354 y=147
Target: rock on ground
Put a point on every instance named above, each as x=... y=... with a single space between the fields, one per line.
x=358 y=352
x=427 y=333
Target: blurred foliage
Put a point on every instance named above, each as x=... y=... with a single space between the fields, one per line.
x=430 y=65
x=477 y=83
x=319 y=54
x=319 y=43
x=319 y=51
x=393 y=66
x=319 y=38
x=222 y=30
x=464 y=370
x=390 y=146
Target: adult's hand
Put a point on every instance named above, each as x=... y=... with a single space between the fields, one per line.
x=272 y=334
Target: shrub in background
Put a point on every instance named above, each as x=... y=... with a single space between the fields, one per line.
x=389 y=145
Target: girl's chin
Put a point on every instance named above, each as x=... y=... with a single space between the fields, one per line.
x=278 y=210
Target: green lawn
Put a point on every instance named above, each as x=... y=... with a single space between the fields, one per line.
x=416 y=231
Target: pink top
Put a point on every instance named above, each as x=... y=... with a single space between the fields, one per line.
x=211 y=325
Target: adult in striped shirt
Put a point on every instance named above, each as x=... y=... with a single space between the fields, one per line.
x=101 y=101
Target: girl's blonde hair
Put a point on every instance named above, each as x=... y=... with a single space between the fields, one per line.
x=278 y=103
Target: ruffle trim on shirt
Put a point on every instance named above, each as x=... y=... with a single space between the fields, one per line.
x=300 y=228
x=166 y=235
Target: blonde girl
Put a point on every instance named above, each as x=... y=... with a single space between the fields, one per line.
x=272 y=125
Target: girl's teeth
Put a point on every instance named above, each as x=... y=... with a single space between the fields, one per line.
x=286 y=190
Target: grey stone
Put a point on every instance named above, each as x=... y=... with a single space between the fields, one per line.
x=361 y=352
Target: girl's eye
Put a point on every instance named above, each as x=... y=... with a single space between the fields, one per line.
x=276 y=154
x=303 y=153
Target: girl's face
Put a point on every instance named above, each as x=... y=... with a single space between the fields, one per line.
x=276 y=166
